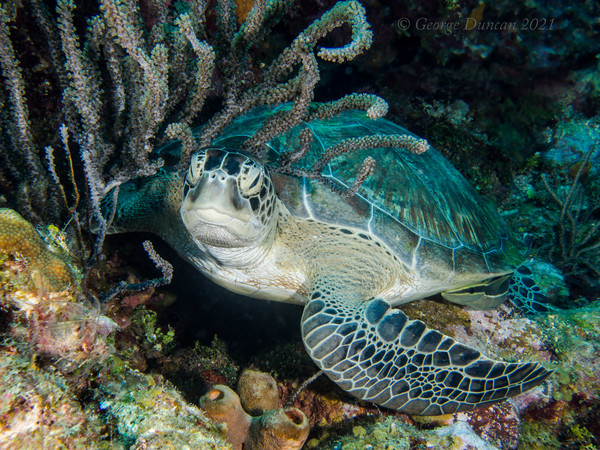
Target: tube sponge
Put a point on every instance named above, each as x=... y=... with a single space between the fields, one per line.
x=273 y=429
x=279 y=429
x=223 y=405
x=258 y=391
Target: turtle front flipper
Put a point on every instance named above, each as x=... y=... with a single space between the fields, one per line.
x=377 y=354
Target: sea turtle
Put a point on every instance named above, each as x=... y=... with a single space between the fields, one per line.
x=414 y=229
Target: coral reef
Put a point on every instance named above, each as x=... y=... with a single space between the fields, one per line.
x=58 y=344
x=325 y=406
x=393 y=434
x=64 y=324
x=37 y=409
x=47 y=269
x=143 y=324
x=150 y=413
x=269 y=428
x=194 y=369
x=68 y=328
x=505 y=106
x=497 y=426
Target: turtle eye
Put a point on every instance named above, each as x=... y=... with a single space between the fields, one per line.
x=251 y=179
x=196 y=167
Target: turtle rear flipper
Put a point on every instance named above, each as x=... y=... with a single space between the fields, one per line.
x=377 y=354
x=488 y=294
x=526 y=295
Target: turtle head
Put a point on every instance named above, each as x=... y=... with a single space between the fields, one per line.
x=228 y=199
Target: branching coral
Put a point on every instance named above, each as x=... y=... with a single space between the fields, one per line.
x=127 y=84
x=578 y=233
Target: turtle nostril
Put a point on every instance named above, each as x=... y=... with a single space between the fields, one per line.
x=218 y=175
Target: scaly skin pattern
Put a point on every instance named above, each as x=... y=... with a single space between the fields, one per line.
x=375 y=352
x=379 y=355
x=17 y=236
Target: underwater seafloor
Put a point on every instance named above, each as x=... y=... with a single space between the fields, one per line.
x=91 y=357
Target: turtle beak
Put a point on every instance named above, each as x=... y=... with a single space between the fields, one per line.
x=216 y=199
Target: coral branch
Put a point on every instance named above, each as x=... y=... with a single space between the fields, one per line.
x=204 y=68
x=165 y=267
x=284 y=165
x=353 y=14
x=286 y=120
x=348 y=12
x=13 y=79
x=365 y=170
x=305 y=140
x=411 y=143
x=374 y=105
x=275 y=89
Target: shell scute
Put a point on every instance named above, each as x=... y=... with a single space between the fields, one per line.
x=419 y=204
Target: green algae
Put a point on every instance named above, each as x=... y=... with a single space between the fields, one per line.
x=144 y=324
